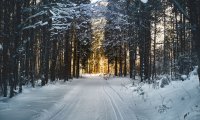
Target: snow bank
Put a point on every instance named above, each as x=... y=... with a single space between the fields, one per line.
x=177 y=101
x=32 y=101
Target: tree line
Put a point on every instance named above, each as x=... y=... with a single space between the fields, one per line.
x=41 y=40
x=49 y=40
x=161 y=37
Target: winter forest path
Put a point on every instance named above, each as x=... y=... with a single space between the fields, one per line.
x=89 y=98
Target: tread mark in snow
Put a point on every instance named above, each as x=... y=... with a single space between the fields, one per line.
x=116 y=110
x=115 y=91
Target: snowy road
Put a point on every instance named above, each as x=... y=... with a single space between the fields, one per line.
x=91 y=99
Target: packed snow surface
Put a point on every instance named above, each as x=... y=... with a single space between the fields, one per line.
x=94 y=98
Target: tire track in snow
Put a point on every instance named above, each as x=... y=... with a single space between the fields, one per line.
x=115 y=108
x=61 y=107
x=121 y=98
x=125 y=104
x=65 y=109
x=104 y=104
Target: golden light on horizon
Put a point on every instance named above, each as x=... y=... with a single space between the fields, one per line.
x=97 y=61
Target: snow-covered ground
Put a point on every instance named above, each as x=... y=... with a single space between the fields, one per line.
x=94 y=98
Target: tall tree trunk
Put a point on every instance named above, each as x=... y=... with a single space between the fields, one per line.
x=32 y=54
x=46 y=62
x=70 y=59
x=66 y=58
x=45 y=58
x=1 y=42
x=116 y=65
x=78 y=59
x=108 y=66
x=147 y=50
x=120 y=60
x=32 y=57
x=125 y=64
x=154 y=49
x=53 y=60
x=165 y=70
x=132 y=59
x=13 y=63
x=17 y=43
x=6 y=53
x=74 y=55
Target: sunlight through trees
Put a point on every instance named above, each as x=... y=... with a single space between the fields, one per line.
x=48 y=40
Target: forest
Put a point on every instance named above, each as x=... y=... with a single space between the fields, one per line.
x=51 y=40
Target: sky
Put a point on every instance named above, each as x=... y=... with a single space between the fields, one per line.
x=93 y=1
x=144 y=1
